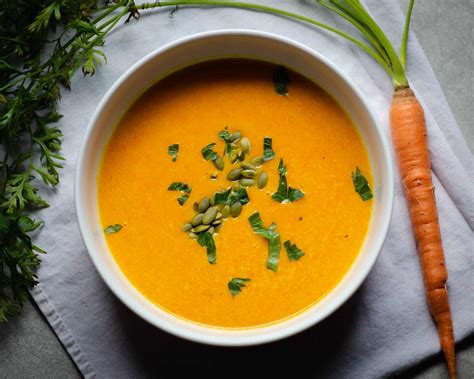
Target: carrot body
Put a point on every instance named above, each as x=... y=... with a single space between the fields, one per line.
x=411 y=146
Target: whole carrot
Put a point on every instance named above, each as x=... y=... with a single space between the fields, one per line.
x=411 y=146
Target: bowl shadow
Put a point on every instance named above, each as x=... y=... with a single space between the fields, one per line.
x=156 y=351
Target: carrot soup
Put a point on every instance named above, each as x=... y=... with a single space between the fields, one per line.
x=235 y=193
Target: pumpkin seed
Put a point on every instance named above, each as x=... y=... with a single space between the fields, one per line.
x=187 y=227
x=249 y=174
x=204 y=204
x=217 y=228
x=211 y=230
x=218 y=216
x=236 y=187
x=236 y=209
x=216 y=222
x=242 y=156
x=245 y=144
x=235 y=136
x=192 y=235
x=233 y=146
x=218 y=163
x=220 y=207
x=197 y=220
x=200 y=228
x=213 y=200
x=195 y=206
x=247 y=182
x=226 y=211
x=262 y=179
x=234 y=157
x=248 y=166
x=257 y=161
x=234 y=174
x=209 y=216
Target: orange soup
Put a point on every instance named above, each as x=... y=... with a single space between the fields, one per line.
x=222 y=270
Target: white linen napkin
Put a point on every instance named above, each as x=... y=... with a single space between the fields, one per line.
x=385 y=327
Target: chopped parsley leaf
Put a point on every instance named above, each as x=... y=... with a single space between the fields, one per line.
x=235 y=285
x=293 y=251
x=173 y=151
x=361 y=185
x=271 y=235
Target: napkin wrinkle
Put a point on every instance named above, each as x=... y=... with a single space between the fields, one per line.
x=62 y=331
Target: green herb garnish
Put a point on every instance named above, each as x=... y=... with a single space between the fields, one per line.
x=293 y=251
x=182 y=199
x=281 y=78
x=268 y=152
x=205 y=239
x=361 y=185
x=222 y=197
x=224 y=135
x=269 y=234
x=230 y=197
x=173 y=151
x=208 y=154
x=239 y=195
x=285 y=194
x=111 y=229
x=179 y=186
x=235 y=285
x=183 y=187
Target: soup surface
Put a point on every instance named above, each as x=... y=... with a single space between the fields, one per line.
x=320 y=148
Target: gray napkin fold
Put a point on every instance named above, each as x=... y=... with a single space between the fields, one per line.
x=383 y=328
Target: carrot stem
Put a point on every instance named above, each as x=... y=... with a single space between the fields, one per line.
x=403 y=49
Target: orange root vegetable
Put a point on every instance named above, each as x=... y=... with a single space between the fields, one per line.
x=411 y=146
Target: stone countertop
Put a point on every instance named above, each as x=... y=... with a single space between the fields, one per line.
x=445 y=29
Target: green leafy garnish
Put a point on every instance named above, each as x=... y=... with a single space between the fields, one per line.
x=269 y=234
x=361 y=185
x=179 y=186
x=205 y=239
x=183 y=187
x=236 y=284
x=182 y=199
x=268 y=152
x=173 y=151
x=239 y=195
x=224 y=135
x=222 y=197
x=285 y=193
x=111 y=229
x=208 y=154
x=293 y=251
x=230 y=197
x=281 y=78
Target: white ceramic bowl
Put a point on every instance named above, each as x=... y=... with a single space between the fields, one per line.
x=198 y=48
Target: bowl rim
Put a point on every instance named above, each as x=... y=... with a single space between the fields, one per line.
x=229 y=339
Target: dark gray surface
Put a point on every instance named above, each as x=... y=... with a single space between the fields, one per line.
x=445 y=29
